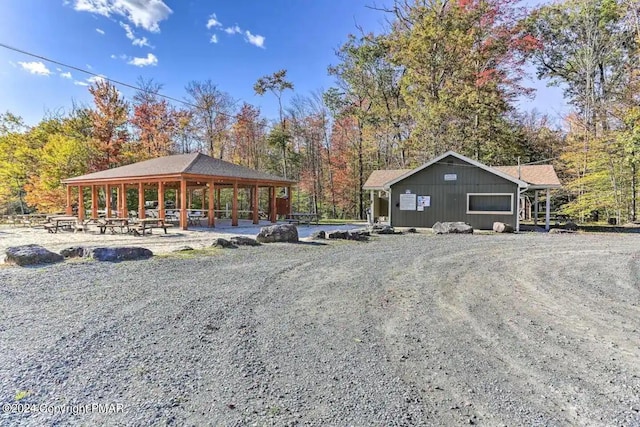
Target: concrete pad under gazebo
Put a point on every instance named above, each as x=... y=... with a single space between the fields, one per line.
x=182 y=174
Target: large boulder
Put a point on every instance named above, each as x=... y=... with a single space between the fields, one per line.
x=125 y=253
x=221 y=243
x=31 y=255
x=452 y=228
x=560 y=231
x=278 y=233
x=501 y=227
x=571 y=226
x=337 y=234
x=244 y=241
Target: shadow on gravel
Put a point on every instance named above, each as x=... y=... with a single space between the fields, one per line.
x=311 y=243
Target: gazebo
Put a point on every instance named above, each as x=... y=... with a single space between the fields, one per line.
x=182 y=173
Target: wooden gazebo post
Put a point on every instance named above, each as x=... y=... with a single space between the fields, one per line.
x=161 y=200
x=94 y=202
x=290 y=201
x=234 y=205
x=183 y=204
x=107 y=198
x=254 y=202
x=69 y=209
x=80 y=203
x=122 y=203
x=211 y=213
x=141 y=214
x=273 y=215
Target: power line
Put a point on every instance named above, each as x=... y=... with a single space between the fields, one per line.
x=72 y=67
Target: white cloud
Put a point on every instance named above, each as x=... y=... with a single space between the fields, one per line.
x=255 y=40
x=113 y=56
x=66 y=75
x=213 y=22
x=214 y=39
x=131 y=36
x=146 y=14
x=35 y=68
x=99 y=31
x=94 y=79
x=80 y=83
x=145 y=62
x=233 y=30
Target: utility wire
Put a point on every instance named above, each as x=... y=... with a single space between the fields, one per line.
x=72 y=67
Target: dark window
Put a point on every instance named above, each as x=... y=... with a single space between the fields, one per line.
x=501 y=203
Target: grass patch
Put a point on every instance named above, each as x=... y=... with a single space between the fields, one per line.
x=210 y=251
x=21 y=395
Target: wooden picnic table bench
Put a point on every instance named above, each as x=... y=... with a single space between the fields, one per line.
x=303 y=218
x=148 y=224
x=113 y=224
x=55 y=223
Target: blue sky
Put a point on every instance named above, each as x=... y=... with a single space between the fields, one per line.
x=233 y=43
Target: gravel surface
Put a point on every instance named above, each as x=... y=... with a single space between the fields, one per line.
x=529 y=329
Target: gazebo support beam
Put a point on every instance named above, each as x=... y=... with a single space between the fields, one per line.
x=234 y=205
x=69 y=209
x=183 y=204
x=141 y=213
x=107 y=201
x=254 y=202
x=211 y=217
x=161 y=200
x=94 y=202
x=80 y=203
x=290 y=200
x=122 y=204
x=273 y=215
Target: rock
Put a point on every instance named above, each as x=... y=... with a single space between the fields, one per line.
x=501 y=227
x=125 y=253
x=337 y=234
x=244 y=241
x=571 y=226
x=31 y=255
x=183 y=249
x=383 y=229
x=278 y=233
x=412 y=230
x=452 y=228
x=73 y=252
x=319 y=235
x=358 y=235
x=223 y=244
x=560 y=231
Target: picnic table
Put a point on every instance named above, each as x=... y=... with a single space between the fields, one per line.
x=55 y=223
x=148 y=224
x=304 y=218
x=113 y=224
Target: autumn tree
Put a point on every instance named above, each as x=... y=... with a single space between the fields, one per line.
x=109 y=120
x=279 y=137
x=248 y=137
x=211 y=116
x=154 y=121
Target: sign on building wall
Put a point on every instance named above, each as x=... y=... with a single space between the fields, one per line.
x=407 y=202
x=450 y=177
x=423 y=202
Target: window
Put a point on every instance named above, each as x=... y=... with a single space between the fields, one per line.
x=490 y=203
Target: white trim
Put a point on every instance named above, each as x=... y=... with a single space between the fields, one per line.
x=521 y=184
x=510 y=212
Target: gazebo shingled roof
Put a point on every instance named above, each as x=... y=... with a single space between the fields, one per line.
x=191 y=164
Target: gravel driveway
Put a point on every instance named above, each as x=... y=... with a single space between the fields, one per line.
x=529 y=329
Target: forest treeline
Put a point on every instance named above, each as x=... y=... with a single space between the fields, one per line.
x=445 y=75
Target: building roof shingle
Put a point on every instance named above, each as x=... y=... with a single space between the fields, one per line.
x=191 y=163
x=535 y=175
x=379 y=178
